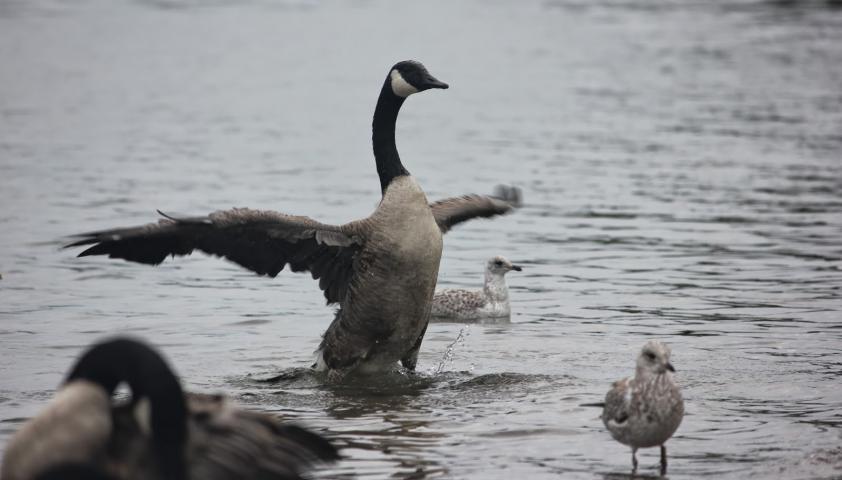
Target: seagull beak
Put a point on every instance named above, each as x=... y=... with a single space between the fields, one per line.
x=670 y=367
x=517 y=268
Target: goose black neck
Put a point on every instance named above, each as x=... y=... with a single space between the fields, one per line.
x=389 y=164
x=124 y=360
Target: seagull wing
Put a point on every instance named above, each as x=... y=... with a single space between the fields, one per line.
x=259 y=240
x=617 y=403
x=453 y=211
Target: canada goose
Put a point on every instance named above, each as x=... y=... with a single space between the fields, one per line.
x=490 y=302
x=381 y=270
x=161 y=434
x=645 y=410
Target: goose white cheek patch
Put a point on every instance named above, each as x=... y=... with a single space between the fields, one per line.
x=401 y=87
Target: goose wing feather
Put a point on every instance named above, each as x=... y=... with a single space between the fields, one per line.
x=259 y=240
x=225 y=443
x=452 y=211
x=231 y=443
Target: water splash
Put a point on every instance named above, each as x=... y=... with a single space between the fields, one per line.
x=447 y=358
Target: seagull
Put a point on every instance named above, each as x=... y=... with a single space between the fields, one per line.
x=645 y=410
x=490 y=302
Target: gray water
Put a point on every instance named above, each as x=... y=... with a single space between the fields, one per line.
x=680 y=163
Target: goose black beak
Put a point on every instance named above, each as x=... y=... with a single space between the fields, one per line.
x=670 y=367
x=517 y=268
x=433 y=82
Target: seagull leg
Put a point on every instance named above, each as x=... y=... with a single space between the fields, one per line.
x=663 y=460
x=634 y=461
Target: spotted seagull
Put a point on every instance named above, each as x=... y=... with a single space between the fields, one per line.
x=490 y=302
x=645 y=410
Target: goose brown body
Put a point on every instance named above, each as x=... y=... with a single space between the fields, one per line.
x=399 y=261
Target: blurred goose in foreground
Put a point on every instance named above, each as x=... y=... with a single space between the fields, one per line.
x=490 y=302
x=381 y=270
x=645 y=410
x=161 y=433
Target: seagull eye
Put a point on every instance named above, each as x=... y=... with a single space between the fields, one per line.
x=650 y=356
x=498 y=263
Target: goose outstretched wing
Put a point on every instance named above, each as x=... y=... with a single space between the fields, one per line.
x=453 y=211
x=259 y=240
